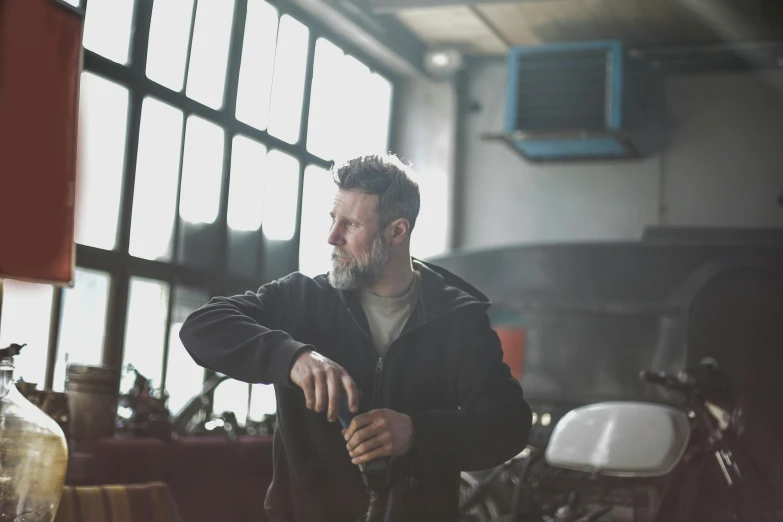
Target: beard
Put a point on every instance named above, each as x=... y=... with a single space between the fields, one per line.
x=359 y=271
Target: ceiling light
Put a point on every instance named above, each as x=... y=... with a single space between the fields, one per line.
x=440 y=59
x=443 y=64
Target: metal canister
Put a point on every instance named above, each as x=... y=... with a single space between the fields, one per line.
x=92 y=392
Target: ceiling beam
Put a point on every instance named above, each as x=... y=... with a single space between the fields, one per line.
x=392 y=6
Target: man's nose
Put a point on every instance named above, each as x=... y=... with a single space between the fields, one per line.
x=335 y=238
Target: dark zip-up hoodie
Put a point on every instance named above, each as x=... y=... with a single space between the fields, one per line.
x=445 y=371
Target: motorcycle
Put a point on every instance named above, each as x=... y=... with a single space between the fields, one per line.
x=630 y=460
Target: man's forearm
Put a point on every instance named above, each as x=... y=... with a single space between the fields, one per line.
x=222 y=338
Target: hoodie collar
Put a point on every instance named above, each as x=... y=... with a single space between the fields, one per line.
x=441 y=293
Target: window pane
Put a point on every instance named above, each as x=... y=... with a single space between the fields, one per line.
x=262 y=402
x=74 y=3
x=324 y=124
x=285 y=108
x=209 y=53
x=349 y=106
x=145 y=328
x=184 y=378
x=103 y=125
x=245 y=203
x=258 y=60
x=27 y=308
x=317 y=200
x=281 y=191
x=378 y=114
x=232 y=395
x=201 y=171
x=83 y=323
x=157 y=167
x=107 y=28
x=168 y=44
x=354 y=113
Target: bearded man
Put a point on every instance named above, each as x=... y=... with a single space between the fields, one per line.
x=407 y=343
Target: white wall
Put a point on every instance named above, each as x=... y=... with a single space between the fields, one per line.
x=723 y=166
x=425 y=136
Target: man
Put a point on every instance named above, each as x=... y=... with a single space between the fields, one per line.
x=409 y=343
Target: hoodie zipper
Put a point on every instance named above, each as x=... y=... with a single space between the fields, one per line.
x=376 y=384
x=376 y=379
x=378 y=373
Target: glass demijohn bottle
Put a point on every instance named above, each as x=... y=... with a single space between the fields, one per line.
x=33 y=453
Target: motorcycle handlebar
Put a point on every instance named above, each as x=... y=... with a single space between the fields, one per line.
x=665 y=380
x=705 y=380
x=659 y=378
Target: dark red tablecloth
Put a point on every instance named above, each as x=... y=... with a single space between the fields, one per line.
x=212 y=479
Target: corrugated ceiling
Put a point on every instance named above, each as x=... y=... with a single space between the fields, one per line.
x=490 y=28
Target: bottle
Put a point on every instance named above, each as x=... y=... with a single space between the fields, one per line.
x=33 y=453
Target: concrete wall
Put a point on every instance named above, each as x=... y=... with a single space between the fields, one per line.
x=723 y=166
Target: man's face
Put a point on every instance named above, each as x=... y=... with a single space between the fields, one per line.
x=360 y=251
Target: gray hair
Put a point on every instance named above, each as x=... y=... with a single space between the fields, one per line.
x=386 y=177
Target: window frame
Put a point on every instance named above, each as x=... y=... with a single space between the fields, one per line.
x=214 y=279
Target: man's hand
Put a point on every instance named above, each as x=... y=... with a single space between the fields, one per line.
x=378 y=433
x=322 y=381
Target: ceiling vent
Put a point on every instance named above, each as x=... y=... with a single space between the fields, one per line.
x=577 y=101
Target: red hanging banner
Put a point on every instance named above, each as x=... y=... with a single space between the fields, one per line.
x=40 y=64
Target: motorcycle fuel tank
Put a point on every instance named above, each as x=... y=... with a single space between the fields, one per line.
x=625 y=439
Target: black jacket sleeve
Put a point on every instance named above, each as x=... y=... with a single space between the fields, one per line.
x=244 y=336
x=493 y=421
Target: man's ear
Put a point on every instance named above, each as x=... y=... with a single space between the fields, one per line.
x=398 y=230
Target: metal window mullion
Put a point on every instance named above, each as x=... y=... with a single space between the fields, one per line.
x=249 y=400
x=113 y=347
x=190 y=46
x=129 y=170
x=305 y=115
x=143 y=13
x=98 y=259
x=393 y=138
x=54 y=336
x=178 y=198
x=173 y=278
x=118 y=295
x=303 y=128
x=229 y=112
x=167 y=335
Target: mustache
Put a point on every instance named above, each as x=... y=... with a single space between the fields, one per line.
x=339 y=253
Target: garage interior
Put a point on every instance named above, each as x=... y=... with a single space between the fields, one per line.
x=609 y=173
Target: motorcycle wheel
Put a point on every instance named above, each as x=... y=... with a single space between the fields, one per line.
x=484 y=510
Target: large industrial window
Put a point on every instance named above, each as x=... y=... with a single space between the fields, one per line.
x=207 y=129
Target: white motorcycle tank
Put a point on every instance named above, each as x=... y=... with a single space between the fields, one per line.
x=623 y=439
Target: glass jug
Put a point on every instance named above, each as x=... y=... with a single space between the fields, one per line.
x=33 y=453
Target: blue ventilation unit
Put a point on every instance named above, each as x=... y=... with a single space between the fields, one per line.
x=585 y=100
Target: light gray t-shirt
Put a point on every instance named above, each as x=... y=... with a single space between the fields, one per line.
x=387 y=315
